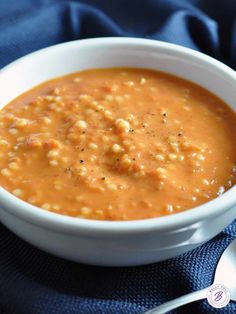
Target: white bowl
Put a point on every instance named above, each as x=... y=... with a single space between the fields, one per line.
x=117 y=243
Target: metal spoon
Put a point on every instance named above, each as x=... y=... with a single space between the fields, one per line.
x=225 y=275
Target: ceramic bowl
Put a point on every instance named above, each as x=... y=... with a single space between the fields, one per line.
x=128 y=242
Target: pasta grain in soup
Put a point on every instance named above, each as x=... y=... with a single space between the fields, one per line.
x=117 y=144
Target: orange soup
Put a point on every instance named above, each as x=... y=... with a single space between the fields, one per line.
x=117 y=144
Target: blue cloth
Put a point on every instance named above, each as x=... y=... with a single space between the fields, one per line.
x=33 y=282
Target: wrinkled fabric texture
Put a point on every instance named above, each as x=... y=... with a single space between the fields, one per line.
x=34 y=282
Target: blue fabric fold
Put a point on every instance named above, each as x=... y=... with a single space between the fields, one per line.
x=34 y=282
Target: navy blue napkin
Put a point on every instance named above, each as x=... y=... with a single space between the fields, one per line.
x=33 y=282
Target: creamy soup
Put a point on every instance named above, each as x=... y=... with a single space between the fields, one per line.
x=117 y=144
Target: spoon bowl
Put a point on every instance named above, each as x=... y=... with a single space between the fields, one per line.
x=225 y=275
x=226 y=270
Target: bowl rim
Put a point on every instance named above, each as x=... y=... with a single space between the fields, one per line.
x=50 y=220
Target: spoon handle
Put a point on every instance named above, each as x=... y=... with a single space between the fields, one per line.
x=185 y=299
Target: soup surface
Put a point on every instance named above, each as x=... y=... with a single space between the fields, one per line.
x=117 y=144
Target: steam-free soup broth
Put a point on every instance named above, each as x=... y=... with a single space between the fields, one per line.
x=117 y=144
